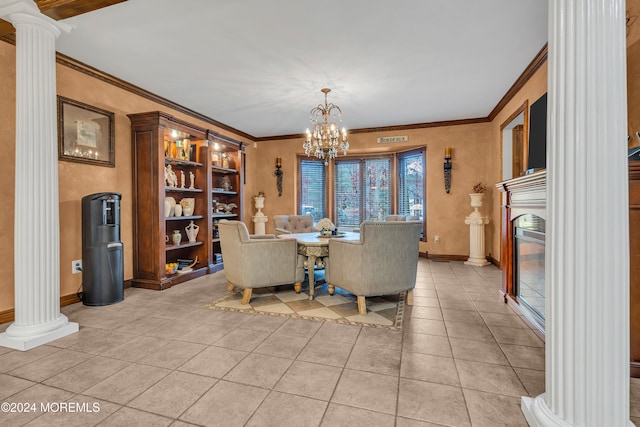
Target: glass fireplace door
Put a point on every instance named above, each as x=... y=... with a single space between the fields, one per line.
x=529 y=251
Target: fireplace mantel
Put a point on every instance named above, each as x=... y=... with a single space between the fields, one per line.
x=525 y=194
x=519 y=196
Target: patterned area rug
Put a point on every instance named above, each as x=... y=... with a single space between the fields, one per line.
x=282 y=301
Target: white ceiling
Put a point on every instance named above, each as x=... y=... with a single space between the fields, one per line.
x=258 y=66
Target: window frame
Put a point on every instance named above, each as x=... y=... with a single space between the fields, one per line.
x=362 y=160
x=302 y=158
x=394 y=167
x=399 y=155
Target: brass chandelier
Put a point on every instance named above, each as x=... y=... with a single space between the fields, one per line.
x=326 y=138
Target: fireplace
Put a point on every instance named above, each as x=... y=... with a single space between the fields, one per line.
x=523 y=246
x=528 y=264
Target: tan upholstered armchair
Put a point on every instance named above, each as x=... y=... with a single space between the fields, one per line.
x=286 y=224
x=258 y=262
x=383 y=262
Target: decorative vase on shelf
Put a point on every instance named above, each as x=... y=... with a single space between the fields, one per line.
x=176 y=237
x=172 y=204
x=178 y=210
x=192 y=231
x=188 y=205
x=167 y=208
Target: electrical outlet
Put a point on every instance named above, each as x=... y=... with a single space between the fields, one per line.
x=436 y=239
x=76 y=266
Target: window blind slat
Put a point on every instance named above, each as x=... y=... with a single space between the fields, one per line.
x=313 y=191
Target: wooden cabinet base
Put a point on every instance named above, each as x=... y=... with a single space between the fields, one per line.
x=168 y=282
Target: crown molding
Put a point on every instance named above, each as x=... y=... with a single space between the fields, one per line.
x=108 y=78
x=537 y=62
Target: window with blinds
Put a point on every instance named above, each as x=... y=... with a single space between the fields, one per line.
x=312 y=189
x=411 y=192
x=362 y=190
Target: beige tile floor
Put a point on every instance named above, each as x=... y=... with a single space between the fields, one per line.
x=160 y=358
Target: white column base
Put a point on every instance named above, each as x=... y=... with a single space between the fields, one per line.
x=477 y=262
x=26 y=338
x=538 y=414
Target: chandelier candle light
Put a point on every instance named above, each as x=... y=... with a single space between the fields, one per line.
x=326 y=138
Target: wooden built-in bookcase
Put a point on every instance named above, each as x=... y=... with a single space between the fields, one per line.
x=226 y=174
x=158 y=140
x=634 y=255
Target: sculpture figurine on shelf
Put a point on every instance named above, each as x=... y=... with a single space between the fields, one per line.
x=228 y=207
x=192 y=177
x=225 y=183
x=220 y=207
x=192 y=231
x=183 y=180
x=170 y=177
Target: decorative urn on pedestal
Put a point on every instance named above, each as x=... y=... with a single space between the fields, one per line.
x=259 y=219
x=476 y=224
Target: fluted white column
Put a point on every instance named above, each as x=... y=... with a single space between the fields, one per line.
x=37 y=229
x=587 y=253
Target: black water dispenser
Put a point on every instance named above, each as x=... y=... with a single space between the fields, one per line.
x=102 y=251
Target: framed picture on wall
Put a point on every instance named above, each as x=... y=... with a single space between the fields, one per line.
x=85 y=133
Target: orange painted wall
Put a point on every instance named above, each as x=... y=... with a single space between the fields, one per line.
x=445 y=212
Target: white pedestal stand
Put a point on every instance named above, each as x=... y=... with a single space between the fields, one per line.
x=476 y=223
x=37 y=244
x=259 y=220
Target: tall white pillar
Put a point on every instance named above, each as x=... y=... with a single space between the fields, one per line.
x=587 y=251
x=37 y=227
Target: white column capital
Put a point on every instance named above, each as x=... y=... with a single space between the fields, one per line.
x=476 y=220
x=19 y=12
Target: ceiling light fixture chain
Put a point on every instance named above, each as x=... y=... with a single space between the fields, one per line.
x=326 y=138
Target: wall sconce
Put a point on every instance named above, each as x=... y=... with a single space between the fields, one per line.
x=447 y=169
x=278 y=174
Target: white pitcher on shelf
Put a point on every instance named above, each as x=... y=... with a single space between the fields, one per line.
x=192 y=231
